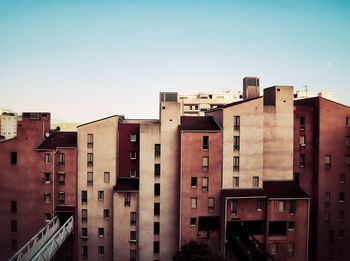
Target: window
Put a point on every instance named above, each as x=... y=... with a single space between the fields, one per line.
x=47 y=158
x=193 y=202
x=236 y=182
x=341 y=234
x=101 y=250
x=328 y=162
x=90 y=159
x=90 y=178
x=132 y=255
x=13 y=245
x=133 y=236
x=302 y=141
x=13 y=225
x=90 y=140
x=155 y=247
x=101 y=232
x=133 y=137
x=326 y=217
x=236 y=122
x=157 y=189
x=84 y=252
x=84 y=232
x=193 y=182
x=341 y=196
x=255 y=182
x=156 y=150
x=327 y=199
x=211 y=204
x=274 y=248
x=341 y=253
x=302 y=123
x=157 y=170
x=347 y=160
x=47 y=217
x=132 y=218
x=47 y=177
x=277 y=228
x=127 y=199
x=236 y=143
x=61 y=179
x=347 y=122
x=84 y=216
x=100 y=195
x=236 y=163
x=13 y=206
x=291 y=225
x=233 y=208
x=84 y=197
x=259 y=204
x=132 y=173
x=156 y=209
x=292 y=207
x=281 y=204
x=341 y=216
x=342 y=178
x=205 y=142
x=107 y=177
x=156 y=228
x=106 y=213
x=47 y=197
x=193 y=221
x=13 y=158
x=290 y=249
x=302 y=161
x=205 y=184
x=205 y=163
x=331 y=236
x=347 y=141
x=61 y=159
x=133 y=155
x=297 y=178
x=61 y=198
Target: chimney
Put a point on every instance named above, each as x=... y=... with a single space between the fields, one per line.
x=250 y=88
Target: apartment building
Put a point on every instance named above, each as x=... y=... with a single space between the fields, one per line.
x=8 y=124
x=38 y=168
x=321 y=164
x=198 y=103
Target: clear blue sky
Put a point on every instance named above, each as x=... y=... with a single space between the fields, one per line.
x=84 y=60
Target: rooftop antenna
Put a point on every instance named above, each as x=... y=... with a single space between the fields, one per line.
x=306 y=89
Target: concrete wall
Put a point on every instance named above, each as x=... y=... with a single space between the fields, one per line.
x=104 y=152
x=278 y=133
x=251 y=143
x=149 y=135
x=122 y=226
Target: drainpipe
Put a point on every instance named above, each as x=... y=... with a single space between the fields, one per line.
x=180 y=188
x=53 y=181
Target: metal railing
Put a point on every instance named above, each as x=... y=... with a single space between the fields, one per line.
x=50 y=248
x=34 y=244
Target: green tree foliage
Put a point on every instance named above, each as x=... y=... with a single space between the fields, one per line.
x=193 y=251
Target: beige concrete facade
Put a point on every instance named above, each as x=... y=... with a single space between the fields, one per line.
x=104 y=151
x=265 y=133
x=8 y=125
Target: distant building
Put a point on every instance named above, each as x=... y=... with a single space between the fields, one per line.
x=8 y=124
x=65 y=126
x=299 y=94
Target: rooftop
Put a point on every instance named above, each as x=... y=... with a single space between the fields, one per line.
x=205 y=123
x=64 y=139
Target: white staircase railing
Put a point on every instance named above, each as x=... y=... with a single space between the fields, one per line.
x=33 y=245
x=47 y=251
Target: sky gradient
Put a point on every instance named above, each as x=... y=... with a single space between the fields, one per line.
x=85 y=60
